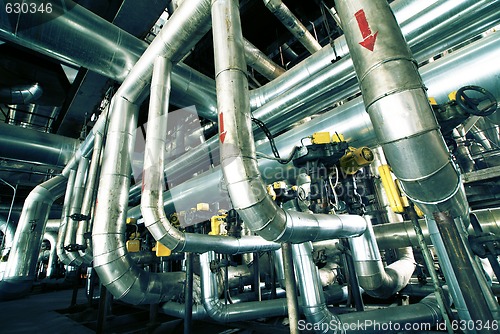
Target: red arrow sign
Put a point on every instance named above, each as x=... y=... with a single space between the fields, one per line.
x=222 y=133
x=368 y=39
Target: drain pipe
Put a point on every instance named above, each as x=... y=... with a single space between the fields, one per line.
x=85 y=225
x=21 y=265
x=376 y=280
x=239 y=163
x=70 y=245
x=260 y=62
x=293 y=24
x=125 y=280
x=152 y=209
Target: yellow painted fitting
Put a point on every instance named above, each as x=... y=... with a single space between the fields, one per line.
x=337 y=137
x=321 y=138
x=161 y=250
x=202 y=207
x=215 y=223
x=452 y=96
x=355 y=159
x=271 y=192
x=419 y=212
x=295 y=188
x=279 y=185
x=131 y=220
x=391 y=189
x=432 y=101
x=133 y=246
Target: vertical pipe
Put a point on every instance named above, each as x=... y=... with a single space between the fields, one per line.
x=256 y=276
x=188 y=294
x=61 y=252
x=353 y=278
x=463 y=268
x=291 y=288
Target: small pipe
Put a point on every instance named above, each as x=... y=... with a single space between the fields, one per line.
x=353 y=278
x=256 y=276
x=188 y=294
x=14 y=189
x=291 y=288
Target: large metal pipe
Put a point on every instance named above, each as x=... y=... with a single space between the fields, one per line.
x=35 y=147
x=21 y=265
x=8 y=230
x=22 y=94
x=117 y=272
x=152 y=209
x=238 y=160
x=376 y=280
x=99 y=46
x=350 y=119
x=63 y=226
x=260 y=62
x=293 y=24
x=379 y=51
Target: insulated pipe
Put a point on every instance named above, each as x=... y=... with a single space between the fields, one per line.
x=85 y=225
x=22 y=94
x=21 y=267
x=101 y=47
x=221 y=312
x=376 y=280
x=293 y=24
x=152 y=209
x=392 y=89
x=75 y=208
x=311 y=291
x=8 y=230
x=51 y=265
x=35 y=147
x=239 y=163
x=118 y=274
x=260 y=62
x=63 y=227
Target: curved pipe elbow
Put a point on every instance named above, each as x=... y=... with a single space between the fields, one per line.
x=22 y=94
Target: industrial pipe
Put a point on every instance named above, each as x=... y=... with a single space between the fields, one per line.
x=51 y=265
x=260 y=62
x=153 y=212
x=63 y=226
x=238 y=160
x=21 y=94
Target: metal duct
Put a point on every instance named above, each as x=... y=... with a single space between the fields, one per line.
x=221 y=312
x=22 y=94
x=393 y=90
x=85 y=225
x=239 y=163
x=63 y=227
x=115 y=269
x=21 y=265
x=35 y=147
x=260 y=62
x=311 y=291
x=100 y=46
x=51 y=265
x=74 y=210
x=153 y=180
x=350 y=119
x=293 y=24
x=376 y=280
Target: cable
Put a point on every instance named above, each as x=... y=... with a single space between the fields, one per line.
x=270 y=137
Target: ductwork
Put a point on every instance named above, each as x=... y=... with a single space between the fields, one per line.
x=376 y=280
x=378 y=51
x=115 y=269
x=153 y=179
x=260 y=62
x=18 y=144
x=22 y=94
x=21 y=265
x=239 y=163
x=293 y=24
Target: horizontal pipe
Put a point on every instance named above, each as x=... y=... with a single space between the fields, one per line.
x=22 y=94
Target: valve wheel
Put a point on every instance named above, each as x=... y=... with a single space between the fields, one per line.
x=472 y=104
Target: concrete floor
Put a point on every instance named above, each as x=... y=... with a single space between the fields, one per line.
x=36 y=313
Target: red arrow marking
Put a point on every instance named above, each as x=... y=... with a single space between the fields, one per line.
x=368 y=39
x=222 y=133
